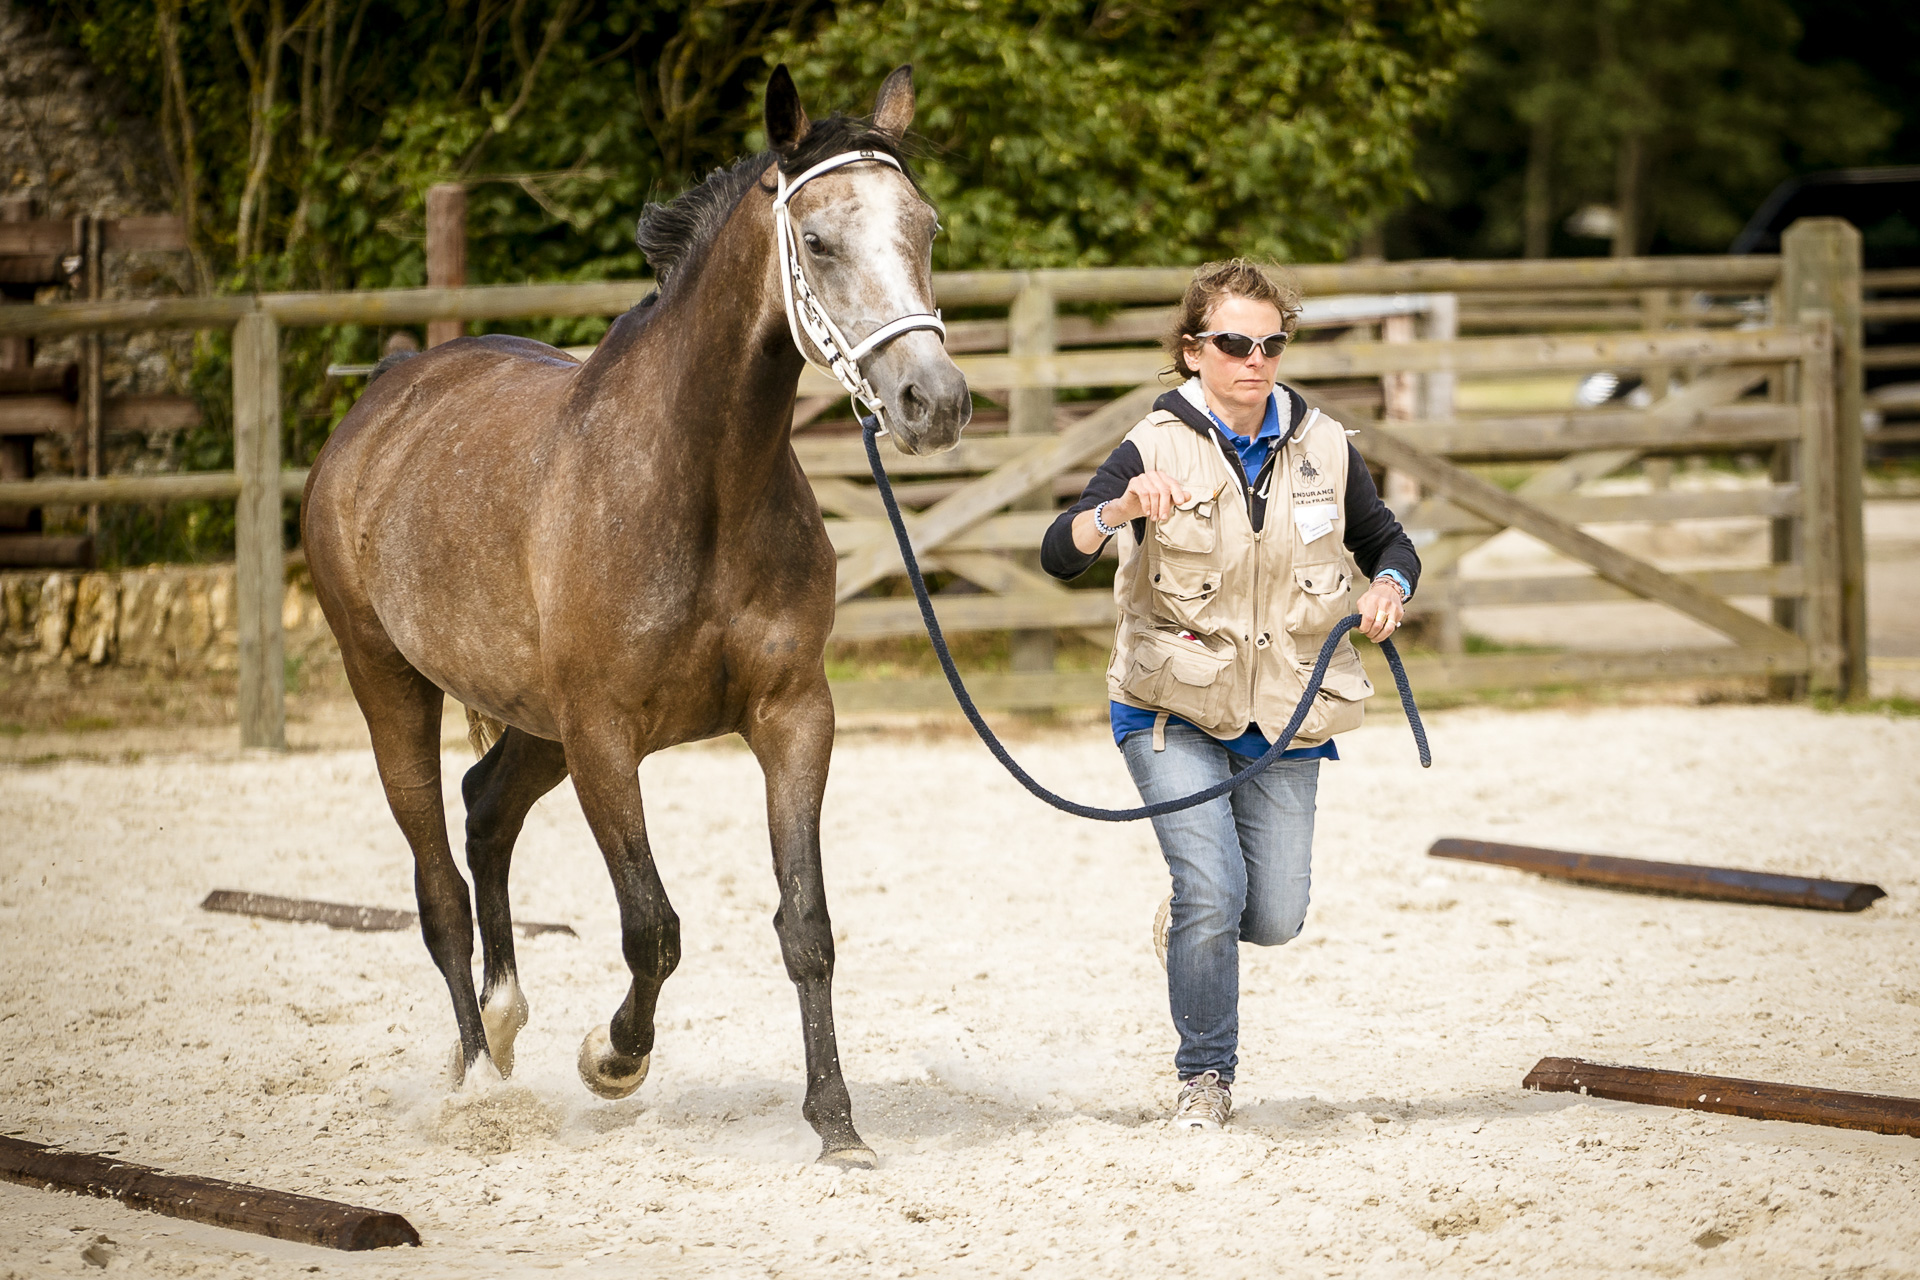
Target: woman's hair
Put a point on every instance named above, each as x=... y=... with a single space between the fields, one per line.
x=1214 y=282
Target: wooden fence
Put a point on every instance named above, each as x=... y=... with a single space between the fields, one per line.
x=1784 y=382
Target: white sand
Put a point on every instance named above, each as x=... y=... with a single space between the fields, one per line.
x=1002 y=1020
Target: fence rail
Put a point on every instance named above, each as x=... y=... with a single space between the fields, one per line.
x=979 y=510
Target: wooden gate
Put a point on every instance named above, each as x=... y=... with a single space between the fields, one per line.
x=1755 y=354
x=1766 y=390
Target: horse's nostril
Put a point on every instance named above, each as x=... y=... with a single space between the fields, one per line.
x=913 y=401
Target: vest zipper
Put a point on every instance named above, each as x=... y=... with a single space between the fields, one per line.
x=1239 y=474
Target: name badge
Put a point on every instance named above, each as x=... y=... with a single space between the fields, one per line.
x=1315 y=521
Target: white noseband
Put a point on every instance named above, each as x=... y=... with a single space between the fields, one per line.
x=806 y=315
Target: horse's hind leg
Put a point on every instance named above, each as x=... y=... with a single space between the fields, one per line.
x=403 y=718
x=794 y=743
x=614 y=1058
x=499 y=791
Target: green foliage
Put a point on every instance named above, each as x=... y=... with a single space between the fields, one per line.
x=1713 y=93
x=1069 y=134
x=303 y=139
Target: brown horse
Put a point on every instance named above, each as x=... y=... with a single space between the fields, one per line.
x=613 y=557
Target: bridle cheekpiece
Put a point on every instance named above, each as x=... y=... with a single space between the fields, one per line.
x=806 y=315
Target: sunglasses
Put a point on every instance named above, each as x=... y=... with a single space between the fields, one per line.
x=1239 y=346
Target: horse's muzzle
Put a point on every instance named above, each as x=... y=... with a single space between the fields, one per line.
x=924 y=392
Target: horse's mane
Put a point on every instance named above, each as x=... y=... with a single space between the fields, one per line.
x=675 y=234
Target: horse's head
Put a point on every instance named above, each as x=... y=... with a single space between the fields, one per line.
x=862 y=246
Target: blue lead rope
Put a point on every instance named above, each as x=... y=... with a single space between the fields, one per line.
x=870 y=437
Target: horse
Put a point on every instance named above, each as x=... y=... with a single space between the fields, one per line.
x=608 y=558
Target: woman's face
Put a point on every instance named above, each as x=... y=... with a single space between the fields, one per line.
x=1245 y=383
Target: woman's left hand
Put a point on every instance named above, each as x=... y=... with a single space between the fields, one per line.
x=1381 y=609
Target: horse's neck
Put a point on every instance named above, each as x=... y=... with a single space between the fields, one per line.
x=728 y=324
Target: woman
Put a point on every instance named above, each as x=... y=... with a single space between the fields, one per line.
x=1232 y=501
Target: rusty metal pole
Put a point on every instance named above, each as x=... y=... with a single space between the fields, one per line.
x=446 y=252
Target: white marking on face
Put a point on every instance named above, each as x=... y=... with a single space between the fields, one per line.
x=873 y=234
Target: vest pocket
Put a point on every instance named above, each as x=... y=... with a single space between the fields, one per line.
x=1189 y=528
x=1319 y=598
x=1187 y=677
x=1182 y=590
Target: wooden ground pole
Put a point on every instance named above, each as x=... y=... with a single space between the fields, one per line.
x=341 y=915
x=1755 y=1099
x=280 y=1214
x=1685 y=879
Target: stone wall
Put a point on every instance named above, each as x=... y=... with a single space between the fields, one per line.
x=173 y=619
x=72 y=142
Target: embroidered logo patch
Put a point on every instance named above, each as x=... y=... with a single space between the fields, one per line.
x=1307 y=470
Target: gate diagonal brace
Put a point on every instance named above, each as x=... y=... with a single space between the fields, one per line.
x=1469 y=492
x=1677 y=407
x=958 y=512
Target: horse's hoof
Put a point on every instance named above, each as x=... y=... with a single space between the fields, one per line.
x=502 y=1017
x=607 y=1071
x=860 y=1157
x=459 y=1076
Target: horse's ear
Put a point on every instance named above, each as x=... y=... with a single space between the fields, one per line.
x=787 y=121
x=893 y=105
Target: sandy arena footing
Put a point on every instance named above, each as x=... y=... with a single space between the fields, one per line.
x=1002 y=1018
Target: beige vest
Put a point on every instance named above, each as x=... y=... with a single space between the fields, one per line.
x=1221 y=625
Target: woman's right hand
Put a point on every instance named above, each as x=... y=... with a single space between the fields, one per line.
x=1152 y=494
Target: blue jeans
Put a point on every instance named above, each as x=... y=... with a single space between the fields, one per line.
x=1241 y=868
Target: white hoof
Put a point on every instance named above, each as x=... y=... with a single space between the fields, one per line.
x=484 y=1072
x=850 y=1158
x=502 y=1016
x=605 y=1070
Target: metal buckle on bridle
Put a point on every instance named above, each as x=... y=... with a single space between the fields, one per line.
x=806 y=315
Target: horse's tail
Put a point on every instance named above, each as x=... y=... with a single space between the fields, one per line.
x=483 y=731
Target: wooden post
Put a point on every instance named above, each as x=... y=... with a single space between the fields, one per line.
x=1820 y=552
x=1783 y=532
x=1031 y=331
x=1820 y=271
x=16 y=354
x=446 y=252
x=92 y=368
x=259 y=556
x=1440 y=323
x=1435 y=401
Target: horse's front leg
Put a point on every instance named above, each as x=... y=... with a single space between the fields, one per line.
x=614 y=1058
x=793 y=739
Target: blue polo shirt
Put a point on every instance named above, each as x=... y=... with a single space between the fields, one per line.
x=1254 y=451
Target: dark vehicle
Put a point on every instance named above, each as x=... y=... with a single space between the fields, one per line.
x=1883 y=203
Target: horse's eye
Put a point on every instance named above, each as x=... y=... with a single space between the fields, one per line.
x=813 y=244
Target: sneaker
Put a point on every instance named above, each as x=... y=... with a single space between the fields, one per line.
x=1162 y=928
x=1206 y=1102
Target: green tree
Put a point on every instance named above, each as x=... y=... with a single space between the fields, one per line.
x=1677 y=116
x=303 y=135
x=1155 y=131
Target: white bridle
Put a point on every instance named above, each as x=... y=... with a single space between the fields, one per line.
x=805 y=314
